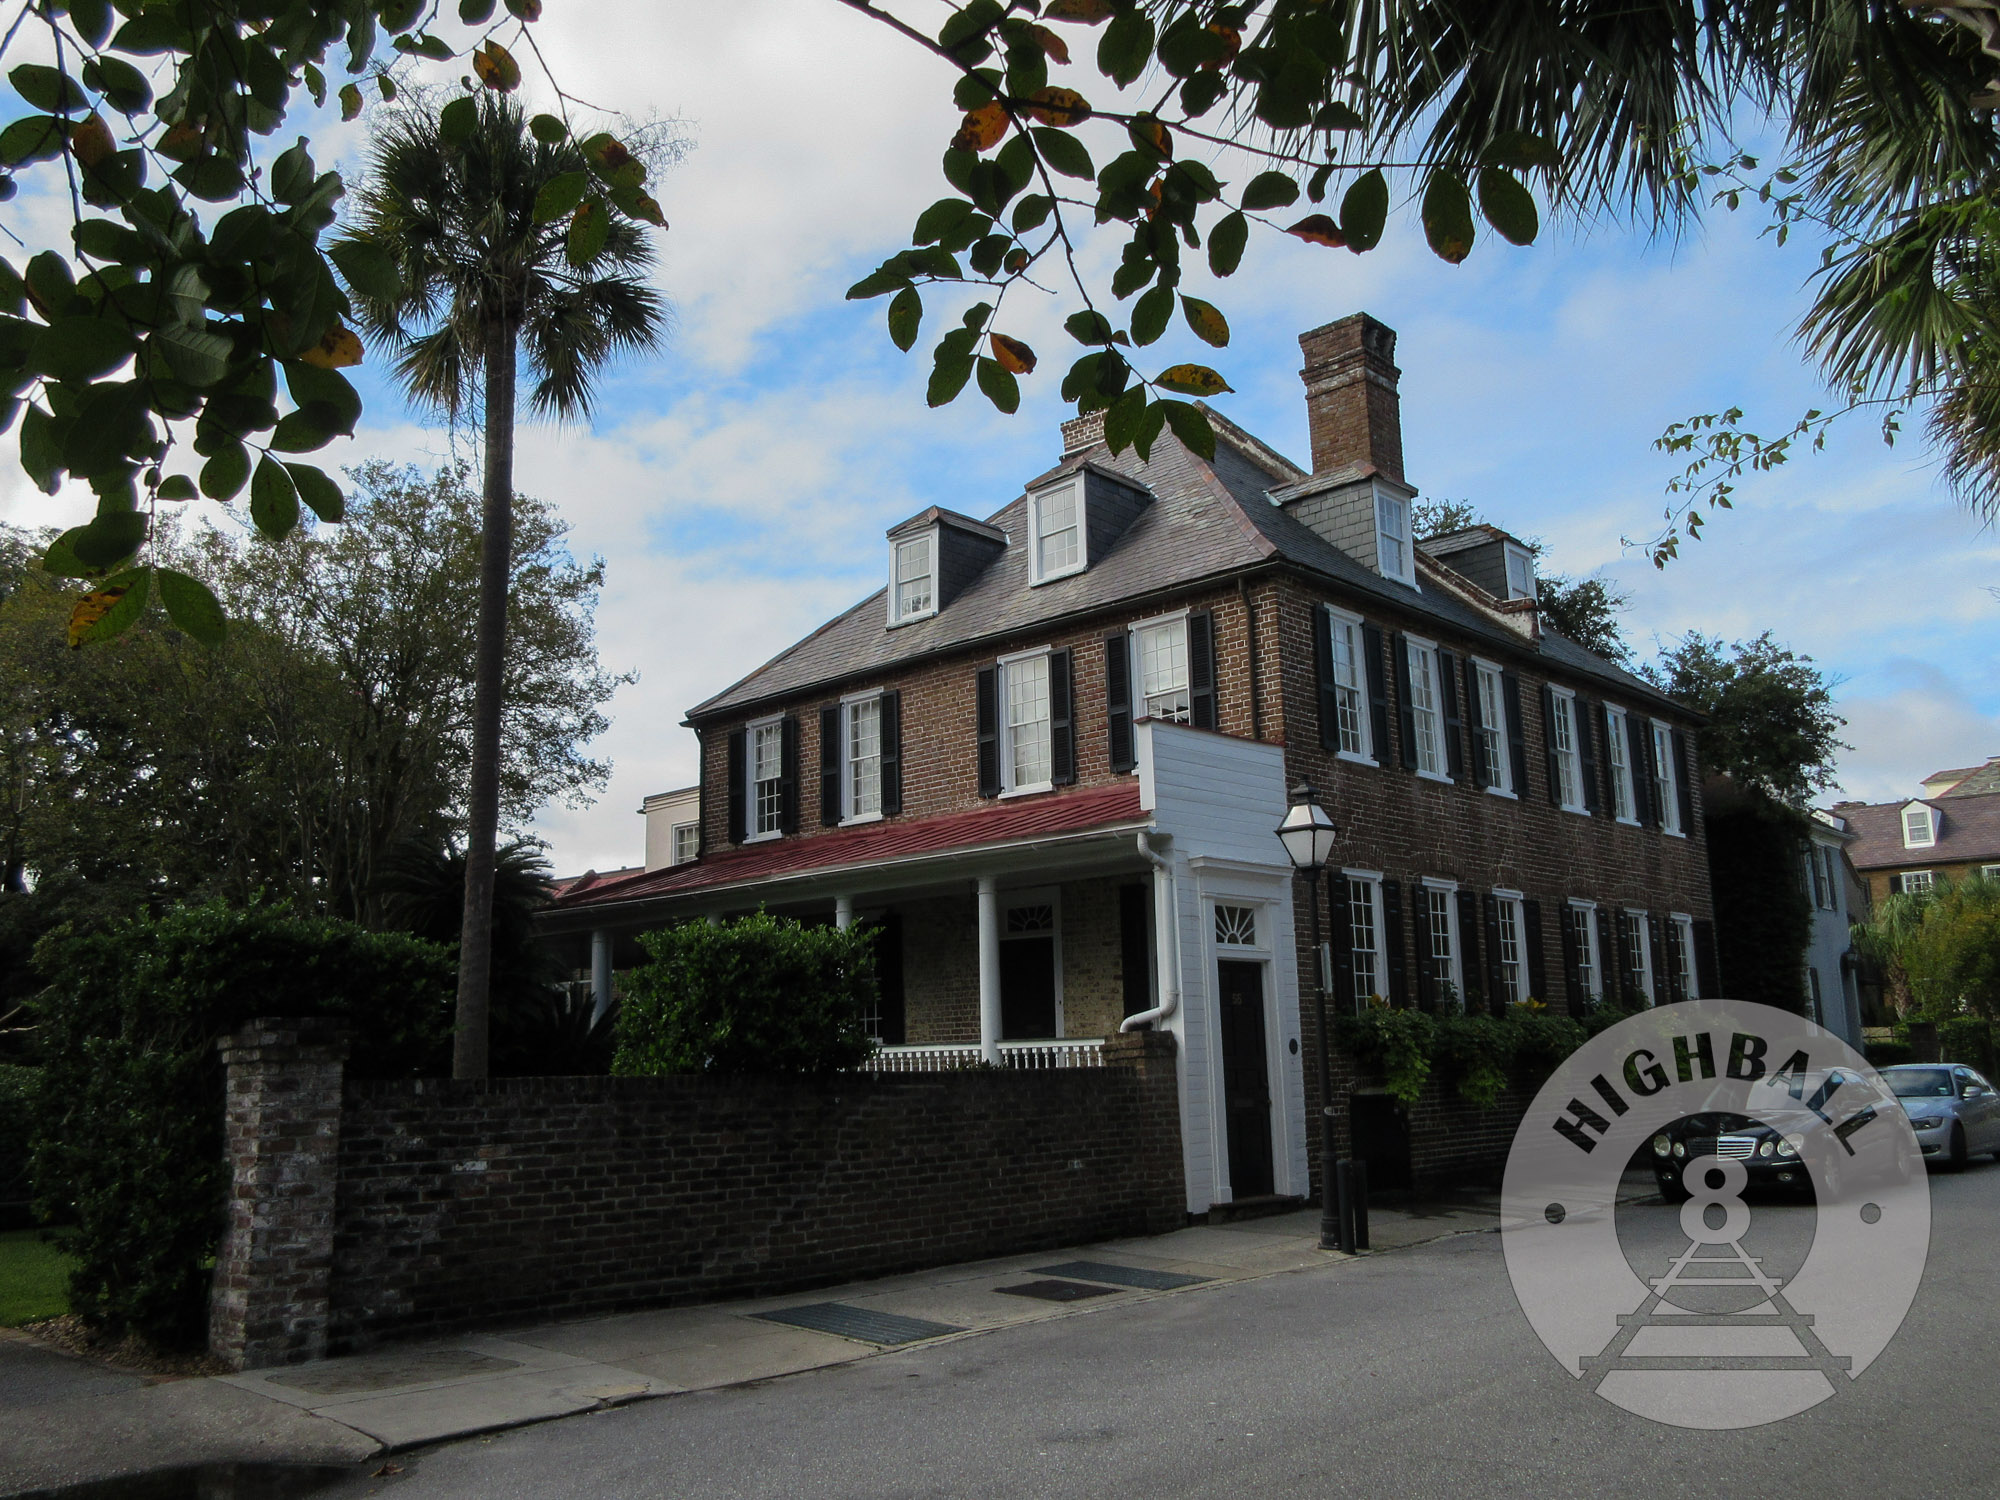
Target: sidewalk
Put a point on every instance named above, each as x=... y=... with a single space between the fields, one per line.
x=64 y=1420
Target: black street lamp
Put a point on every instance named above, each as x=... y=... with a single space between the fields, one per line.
x=1308 y=835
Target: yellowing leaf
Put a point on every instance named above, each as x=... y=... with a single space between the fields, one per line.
x=648 y=208
x=181 y=143
x=1192 y=380
x=350 y=101
x=1054 y=106
x=91 y=608
x=1319 y=229
x=496 y=68
x=1206 y=319
x=1150 y=136
x=982 y=127
x=1084 y=12
x=1232 y=39
x=340 y=347
x=91 y=141
x=1015 y=357
x=1056 y=48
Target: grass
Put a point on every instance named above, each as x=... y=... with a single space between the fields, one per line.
x=34 y=1278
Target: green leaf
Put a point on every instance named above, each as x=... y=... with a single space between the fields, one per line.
x=587 y=232
x=108 y=538
x=1151 y=314
x=213 y=179
x=34 y=138
x=906 y=312
x=1364 y=210
x=548 y=129
x=274 y=499
x=178 y=487
x=1032 y=212
x=1270 y=190
x=1518 y=149
x=1063 y=152
x=192 y=607
x=61 y=561
x=1127 y=46
x=318 y=491
x=875 y=283
x=350 y=101
x=560 y=195
x=300 y=432
x=92 y=20
x=948 y=378
x=1508 y=205
x=124 y=87
x=48 y=89
x=82 y=348
x=41 y=449
x=475 y=12
x=1123 y=418
x=326 y=394
x=999 y=385
x=1206 y=319
x=1088 y=327
x=457 y=120
x=111 y=609
x=938 y=221
x=1226 y=242
x=1448 y=217
x=369 y=268
x=224 y=475
x=1190 y=425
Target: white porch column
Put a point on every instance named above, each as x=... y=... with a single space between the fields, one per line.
x=600 y=973
x=843 y=912
x=989 y=969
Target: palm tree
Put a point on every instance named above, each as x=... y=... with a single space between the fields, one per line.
x=481 y=278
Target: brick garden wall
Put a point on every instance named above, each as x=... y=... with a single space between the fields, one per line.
x=463 y=1204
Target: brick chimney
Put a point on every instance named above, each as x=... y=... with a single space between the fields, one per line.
x=1352 y=407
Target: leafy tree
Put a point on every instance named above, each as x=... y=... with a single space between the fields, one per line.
x=1940 y=949
x=468 y=204
x=1772 y=727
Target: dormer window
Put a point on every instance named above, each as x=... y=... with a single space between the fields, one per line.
x=1520 y=572
x=1055 y=532
x=913 y=577
x=1919 y=826
x=1394 y=557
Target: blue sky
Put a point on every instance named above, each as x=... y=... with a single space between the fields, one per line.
x=739 y=484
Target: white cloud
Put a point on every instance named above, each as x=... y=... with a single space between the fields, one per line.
x=1902 y=736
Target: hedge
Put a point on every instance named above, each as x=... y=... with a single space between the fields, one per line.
x=1479 y=1057
x=18 y=1087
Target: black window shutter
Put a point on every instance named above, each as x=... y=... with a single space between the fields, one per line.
x=1538 y=970
x=1378 y=694
x=1496 y=991
x=1062 y=721
x=1329 y=703
x=1135 y=947
x=1392 y=943
x=1454 y=755
x=892 y=752
x=1685 y=781
x=989 y=731
x=1118 y=701
x=1201 y=670
x=1628 y=984
x=1608 y=796
x=1895 y=885
x=788 y=773
x=1406 y=712
x=1586 y=751
x=1549 y=745
x=1340 y=942
x=1476 y=990
x=1579 y=998
x=1657 y=950
x=1482 y=768
x=1670 y=960
x=1645 y=790
x=1420 y=899
x=1706 y=974
x=829 y=765
x=738 y=798
x=1517 y=754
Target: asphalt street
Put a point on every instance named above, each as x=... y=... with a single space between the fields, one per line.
x=1408 y=1373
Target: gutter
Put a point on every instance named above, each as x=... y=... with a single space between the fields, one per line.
x=1166 y=937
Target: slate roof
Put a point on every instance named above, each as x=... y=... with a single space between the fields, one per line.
x=1977 y=781
x=1969 y=831
x=1207 y=520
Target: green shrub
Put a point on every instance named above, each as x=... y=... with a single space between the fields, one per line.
x=1397 y=1043
x=131 y=1095
x=1887 y=1054
x=1543 y=1039
x=1968 y=1040
x=762 y=994
x=17 y=1113
x=1475 y=1053
x=1479 y=1056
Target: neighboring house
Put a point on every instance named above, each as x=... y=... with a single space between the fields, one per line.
x=1832 y=983
x=1969 y=781
x=1910 y=846
x=673 y=827
x=1049 y=759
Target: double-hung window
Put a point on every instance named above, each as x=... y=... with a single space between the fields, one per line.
x=1618 y=748
x=1441 y=923
x=1520 y=572
x=1919 y=827
x=1025 y=734
x=913 y=578
x=862 y=783
x=1563 y=731
x=1639 y=954
x=686 y=842
x=1666 y=779
x=1350 y=688
x=1493 y=728
x=1988 y=872
x=1424 y=710
x=1683 y=927
x=1511 y=958
x=1394 y=556
x=1916 y=882
x=1583 y=941
x=1160 y=648
x=767 y=778
x=1364 y=917
x=1055 y=531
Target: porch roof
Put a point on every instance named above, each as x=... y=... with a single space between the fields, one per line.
x=874 y=843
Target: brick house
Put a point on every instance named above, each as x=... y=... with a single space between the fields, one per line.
x=1048 y=760
x=1950 y=833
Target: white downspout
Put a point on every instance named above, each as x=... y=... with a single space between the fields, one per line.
x=1167 y=939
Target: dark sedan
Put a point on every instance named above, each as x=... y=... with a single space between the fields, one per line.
x=1771 y=1160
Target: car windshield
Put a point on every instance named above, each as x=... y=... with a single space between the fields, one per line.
x=1920 y=1083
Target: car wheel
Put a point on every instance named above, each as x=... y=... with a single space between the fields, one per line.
x=1958 y=1152
x=1673 y=1192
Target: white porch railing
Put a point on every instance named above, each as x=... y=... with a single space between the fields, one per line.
x=1084 y=1052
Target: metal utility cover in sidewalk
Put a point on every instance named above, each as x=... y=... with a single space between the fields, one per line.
x=1136 y=1276
x=1057 y=1291
x=863 y=1323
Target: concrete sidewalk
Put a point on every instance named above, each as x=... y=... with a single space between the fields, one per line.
x=64 y=1420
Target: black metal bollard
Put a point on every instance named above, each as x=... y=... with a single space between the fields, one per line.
x=1357 y=1185
x=1343 y=1180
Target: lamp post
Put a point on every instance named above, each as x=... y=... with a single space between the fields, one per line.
x=1308 y=835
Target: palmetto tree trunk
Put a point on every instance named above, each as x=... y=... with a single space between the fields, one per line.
x=475 y=947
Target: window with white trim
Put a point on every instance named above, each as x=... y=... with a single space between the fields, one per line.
x=1364 y=917
x=1815 y=1014
x=1393 y=555
x=1990 y=872
x=1350 y=686
x=1919 y=826
x=861 y=783
x=1582 y=920
x=686 y=844
x=1684 y=954
x=1569 y=760
x=1618 y=747
x=1493 y=727
x=1235 y=926
x=1520 y=571
x=1429 y=721
x=767 y=778
x=1511 y=959
x=1025 y=740
x=1160 y=666
x=1639 y=953
x=1441 y=905
x=1055 y=531
x=1916 y=882
x=1666 y=779
x=913 y=577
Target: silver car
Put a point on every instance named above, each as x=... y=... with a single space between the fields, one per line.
x=1955 y=1112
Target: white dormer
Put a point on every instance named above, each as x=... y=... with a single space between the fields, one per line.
x=1058 y=539
x=1520 y=571
x=1920 y=825
x=913 y=576
x=1395 y=548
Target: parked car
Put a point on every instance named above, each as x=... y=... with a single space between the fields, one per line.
x=1954 y=1111
x=1765 y=1150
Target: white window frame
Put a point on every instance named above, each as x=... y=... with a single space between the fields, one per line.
x=1989 y=872
x=674 y=833
x=1140 y=708
x=1618 y=749
x=1073 y=487
x=1339 y=623
x=1684 y=940
x=753 y=831
x=1420 y=662
x=1666 y=779
x=1448 y=889
x=1568 y=722
x=897 y=614
x=1930 y=817
x=1642 y=934
x=1370 y=881
x=848 y=705
x=1010 y=784
x=1493 y=726
x=1814 y=1000
x=1929 y=878
x=1512 y=904
x=1514 y=553
x=1406 y=544
x=1592 y=950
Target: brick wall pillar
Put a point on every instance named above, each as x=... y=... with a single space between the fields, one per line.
x=269 y=1305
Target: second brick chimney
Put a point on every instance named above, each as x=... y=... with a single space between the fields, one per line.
x=1352 y=407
